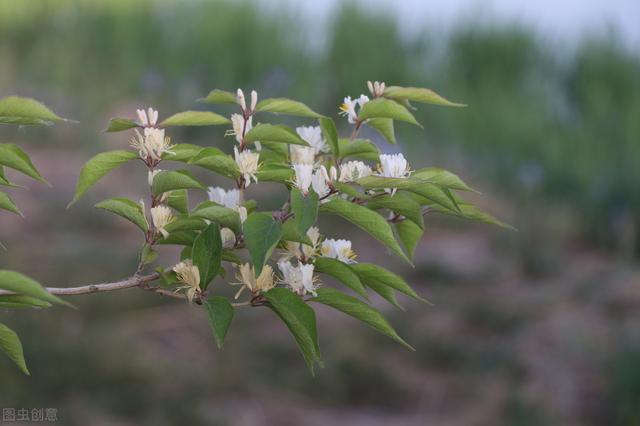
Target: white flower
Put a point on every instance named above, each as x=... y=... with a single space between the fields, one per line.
x=240 y=99
x=188 y=274
x=228 y=238
x=302 y=154
x=161 y=216
x=147 y=118
x=393 y=166
x=228 y=198
x=376 y=88
x=348 y=108
x=152 y=144
x=338 y=249
x=247 y=279
x=320 y=182
x=314 y=235
x=242 y=211
x=254 y=100
x=248 y=165
x=302 y=180
x=300 y=278
x=354 y=170
x=313 y=136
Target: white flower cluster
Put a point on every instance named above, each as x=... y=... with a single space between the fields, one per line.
x=308 y=173
x=151 y=143
x=229 y=199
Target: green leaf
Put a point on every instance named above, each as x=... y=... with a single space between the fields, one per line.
x=170 y=180
x=261 y=234
x=148 y=255
x=472 y=212
x=19 y=110
x=387 y=293
x=274 y=133
x=275 y=173
x=330 y=133
x=400 y=203
x=207 y=253
x=213 y=159
x=305 y=209
x=220 y=313
x=183 y=152
x=10 y=344
x=410 y=234
x=179 y=200
x=386 y=108
x=18 y=283
x=13 y=157
x=418 y=94
x=300 y=320
x=359 y=310
x=286 y=106
x=120 y=124
x=180 y=238
x=442 y=178
x=369 y=272
x=342 y=272
x=6 y=203
x=20 y=301
x=367 y=220
x=99 y=166
x=230 y=256
x=126 y=208
x=223 y=216
x=361 y=149
x=290 y=233
x=217 y=96
x=195 y=118
x=384 y=126
x=186 y=223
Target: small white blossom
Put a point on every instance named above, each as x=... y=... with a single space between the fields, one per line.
x=152 y=144
x=254 y=100
x=161 y=216
x=189 y=275
x=376 y=88
x=299 y=278
x=304 y=174
x=228 y=198
x=393 y=166
x=246 y=276
x=314 y=235
x=302 y=154
x=242 y=211
x=348 y=108
x=147 y=118
x=240 y=99
x=338 y=249
x=248 y=164
x=320 y=182
x=228 y=238
x=354 y=170
x=313 y=136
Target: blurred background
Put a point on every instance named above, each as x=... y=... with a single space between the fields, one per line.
x=535 y=327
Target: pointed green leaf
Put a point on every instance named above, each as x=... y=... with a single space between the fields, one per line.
x=275 y=173
x=120 y=124
x=359 y=310
x=195 y=118
x=367 y=220
x=20 y=301
x=330 y=133
x=170 y=180
x=386 y=108
x=369 y=272
x=361 y=149
x=223 y=216
x=442 y=178
x=186 y=223
x=207 y=253
x=305 y=209
x=184 y=152
x=19 y=110
x=180 y=238
x=274 y=133
x=418 y=94
x=410 y=234
x=342 y=272
x=97 y=167
x=261 y=234
x=387 y=293
x=300 y=320
x=213 y=159
x=286 y=106
x=13 y=157
x=179 y=200
x=220 y=313
x=127 y=209
x=384 y=126
x=400 y=203
x=290 y=233
x=217 y=96
x=18 y=283
x=6 y=203
x=10 y=344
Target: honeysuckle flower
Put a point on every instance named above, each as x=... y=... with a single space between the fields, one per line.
x=376 y=88
x=304 y=175
x=147 y=118
x=237 y=123
x=161 y=216
x=242 y=211
x=228 y=238
x=254 y=100
x=321 y=181
x=313 y=136
x=189 y=275
x=299 y=278
x=240 y=99
x=294 y=249
x=247 y=162
x=152 y=144
x=229 y=198
x=338 y=249
x=354 y=170
x=247 y=279
x=393 y=166
x=348 y=107
x=302 y=154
